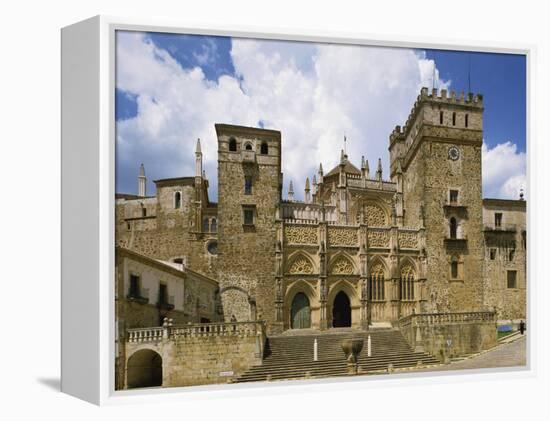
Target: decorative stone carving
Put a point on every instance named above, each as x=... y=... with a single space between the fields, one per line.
x=301 y=235
x=377 y=271
x=378 y=238
x=300 y=266
x=408 y=240
x=342 y=266
x=407 y=272
x=342 y=236
x=375 y=216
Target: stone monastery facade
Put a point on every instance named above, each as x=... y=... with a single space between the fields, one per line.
x=362 y=249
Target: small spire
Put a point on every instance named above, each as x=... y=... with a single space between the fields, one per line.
x=314 y=180
x=379 y=170
x=307 y=195
x=290 y=192
x=521 y=194
x=198 y=148
x=362 y=162
x=320 y=169
x=142 y=170
x=367 y=167
x=204 y=174
x=342 y=157
x=142 y=182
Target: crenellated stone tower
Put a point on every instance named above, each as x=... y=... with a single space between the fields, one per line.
x=249 y=192
x=435 y=159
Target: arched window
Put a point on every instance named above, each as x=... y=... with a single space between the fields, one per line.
x=454 y=268
x=177 y=200
x=454 y=119
x=407 y=283
x=233 y=144
x=453 y=227
x=466 y=120
x=205 y=225
x=248 y=147
x=264 y=148
x=214 y=225
x=376 y=283
x=441 y=117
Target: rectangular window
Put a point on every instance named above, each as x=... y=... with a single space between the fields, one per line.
x=498 y=220
x=248 y=185
x=134 y=286
x=493 y=254
x=453 y=196
x=248 y=216
x=512 y=279
x=163 y=294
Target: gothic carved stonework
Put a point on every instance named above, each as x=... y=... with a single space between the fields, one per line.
x=342 y=266
x=408 y=240
x=300 y=266
x=375 y=216
x=377 y=271
x=407 y=272
x=301 y=235
x=378 y=238
x=342 y=236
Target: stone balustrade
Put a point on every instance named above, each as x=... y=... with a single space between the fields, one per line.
x=147 y=334
x=449 y=334
x=154 y=334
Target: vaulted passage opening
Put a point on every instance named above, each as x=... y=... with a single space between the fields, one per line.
x=300 y=313
x=144 y=369
x=341 y=311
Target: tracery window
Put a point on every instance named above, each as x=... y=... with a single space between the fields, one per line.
x=376 y=283
x=407 y=283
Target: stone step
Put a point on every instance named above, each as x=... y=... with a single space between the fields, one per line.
x=291 y=357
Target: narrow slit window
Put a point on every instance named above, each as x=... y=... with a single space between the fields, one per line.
x=466 y=120
x=454 y=119
x=441 y=117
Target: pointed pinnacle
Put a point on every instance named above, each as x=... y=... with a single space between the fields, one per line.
x=198 y=148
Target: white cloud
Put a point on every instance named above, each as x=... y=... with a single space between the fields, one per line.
x=313 y=94
x=504 y=171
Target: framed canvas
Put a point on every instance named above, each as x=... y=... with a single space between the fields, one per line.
x=245 y=211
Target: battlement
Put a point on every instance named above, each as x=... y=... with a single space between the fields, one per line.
x=470 y=101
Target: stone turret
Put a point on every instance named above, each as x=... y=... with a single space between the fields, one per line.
x=142 y=182
x=307 y=195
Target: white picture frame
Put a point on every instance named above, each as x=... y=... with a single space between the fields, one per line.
x=88 y=167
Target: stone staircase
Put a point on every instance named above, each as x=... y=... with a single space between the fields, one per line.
x=291 y=356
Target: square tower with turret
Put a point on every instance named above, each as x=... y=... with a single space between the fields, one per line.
x=437 y=158
x=249 y=192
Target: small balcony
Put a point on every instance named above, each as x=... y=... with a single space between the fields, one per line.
x=136 y=297
x=457 y=243
x=454 y=204
x=166 y=303
x=510 y=228
x=248 y=157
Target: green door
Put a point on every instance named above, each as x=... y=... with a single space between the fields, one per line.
x=300 y=314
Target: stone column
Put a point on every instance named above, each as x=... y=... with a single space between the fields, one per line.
x=394 y=295
x=364 y=275
x=323 y=319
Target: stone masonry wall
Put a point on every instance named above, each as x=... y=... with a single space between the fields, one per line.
x=246 y=260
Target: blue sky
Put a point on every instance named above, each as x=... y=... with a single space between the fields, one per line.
x=172 y=89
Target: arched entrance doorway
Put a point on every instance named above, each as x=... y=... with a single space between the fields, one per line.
x=144 y=369
x=300 y=313
x=341 y=310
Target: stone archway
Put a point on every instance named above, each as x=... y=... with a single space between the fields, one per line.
x=341 y=310
x=144 y=369
x=300 y=312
